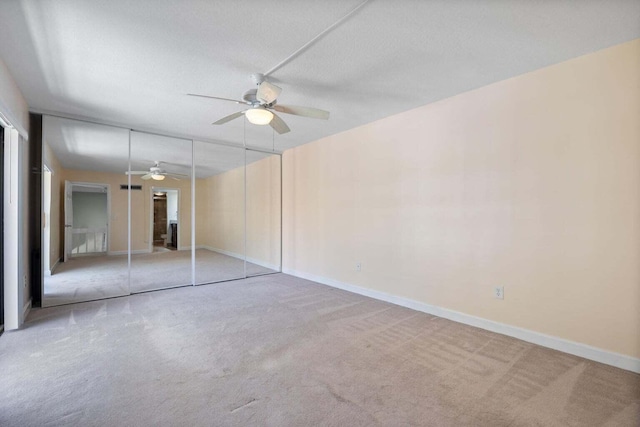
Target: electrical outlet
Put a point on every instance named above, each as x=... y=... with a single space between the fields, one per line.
x=358 y=266
x=498 y=292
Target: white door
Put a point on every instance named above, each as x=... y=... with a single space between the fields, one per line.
x=68 y=220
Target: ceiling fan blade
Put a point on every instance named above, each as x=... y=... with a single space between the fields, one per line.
x=314 y=113
x=228 y=118
x=217 y=97
x=147 y=176
x=136 y=172
x=267 y=92
x=279 y=125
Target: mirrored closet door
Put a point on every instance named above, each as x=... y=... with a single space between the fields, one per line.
x=220 y=212
x=161 y=250
x=130 y=211
x=263 y=213
x=85 y=211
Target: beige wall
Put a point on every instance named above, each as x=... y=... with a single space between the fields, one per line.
x=532 y=183
x=202 y=212
x=263 y=211
x=222 y=212
x=12 y=104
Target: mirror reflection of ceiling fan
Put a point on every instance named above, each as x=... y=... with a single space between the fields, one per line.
x=157 y=173
x=262 y=104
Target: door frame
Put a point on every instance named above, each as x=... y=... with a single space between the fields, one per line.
x=47 y=193
x=151 y=214
x=68 y=209
x=2 y=130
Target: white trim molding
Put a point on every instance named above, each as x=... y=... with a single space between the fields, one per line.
x=50 y=272
x=577 y=349
x=26 y=309
x=134 y=252
x=14 y=236
x=7 y=119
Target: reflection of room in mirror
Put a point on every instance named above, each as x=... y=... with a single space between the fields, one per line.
x=263 y=209
x=86 y=223
x=220 y=213
x=90 y=219
x=161 y=212
x=165 y=219
x=238 y=213
x=150 y=213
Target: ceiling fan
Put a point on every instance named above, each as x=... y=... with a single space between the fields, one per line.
x=157 y=173
x=262 y=103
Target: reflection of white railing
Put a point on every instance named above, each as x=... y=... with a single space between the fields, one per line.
x=89 y=240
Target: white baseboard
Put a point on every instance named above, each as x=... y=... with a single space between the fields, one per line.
x=137 y=251
x=50 y=272
x=188 y=247
x=578 y=349
x=240 y=256
x=26 y=309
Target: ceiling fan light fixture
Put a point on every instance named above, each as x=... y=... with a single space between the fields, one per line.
x=157 y=177
x=259 y=116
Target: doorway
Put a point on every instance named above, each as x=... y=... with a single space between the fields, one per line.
x=86 y=219
x=165 y=218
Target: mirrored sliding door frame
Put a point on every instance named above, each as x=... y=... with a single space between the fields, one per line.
x=193 y=196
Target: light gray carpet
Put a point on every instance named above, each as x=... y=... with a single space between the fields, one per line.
x=280 y=351
x=90 y=278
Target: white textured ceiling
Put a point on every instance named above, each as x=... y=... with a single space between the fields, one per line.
x=132 y=62
x=89 y=146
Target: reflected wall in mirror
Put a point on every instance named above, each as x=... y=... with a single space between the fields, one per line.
x=161 y=249
x=85 y=212
x=263 y=213
x=220 y=213
x=88 y=209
